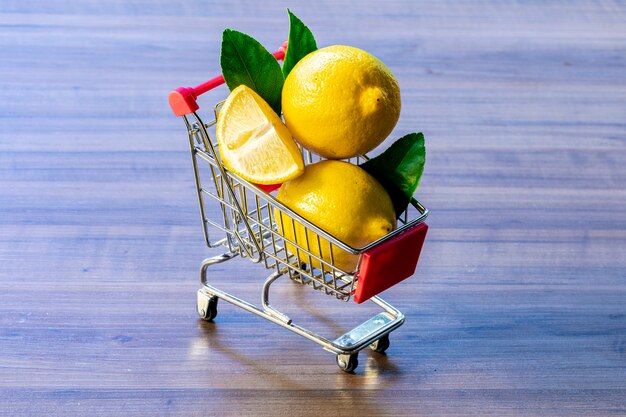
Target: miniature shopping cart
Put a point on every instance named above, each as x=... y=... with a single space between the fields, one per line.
x=247 y=220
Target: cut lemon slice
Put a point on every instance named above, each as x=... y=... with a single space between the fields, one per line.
x=253 y=141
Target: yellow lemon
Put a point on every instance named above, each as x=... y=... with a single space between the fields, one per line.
x=340 y=102
x=341 y=199
x=253 y=141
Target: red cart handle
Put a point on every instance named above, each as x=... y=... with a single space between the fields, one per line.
x=183 y=99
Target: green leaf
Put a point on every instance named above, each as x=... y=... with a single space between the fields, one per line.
x=399 y=169
x=301 y=43
x=245 y=61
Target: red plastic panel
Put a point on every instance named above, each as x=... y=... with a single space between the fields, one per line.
x=385 y=265
x=268 y=188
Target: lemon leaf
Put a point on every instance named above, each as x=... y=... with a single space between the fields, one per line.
x=399 y=169
x=245 y=61
x=301 y=43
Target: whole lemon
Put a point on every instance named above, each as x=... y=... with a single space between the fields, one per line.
x=340 y=101
x=341 y=199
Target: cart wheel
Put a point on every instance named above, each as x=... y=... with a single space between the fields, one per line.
x=209 y=311
x=302 y=266
x=348 y=363
x=381 y=345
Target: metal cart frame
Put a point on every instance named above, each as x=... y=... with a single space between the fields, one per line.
x=249 y=224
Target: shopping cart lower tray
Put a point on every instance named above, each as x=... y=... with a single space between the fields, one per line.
x=246 y=221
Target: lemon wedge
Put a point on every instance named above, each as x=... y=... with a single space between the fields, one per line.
x=253 y=141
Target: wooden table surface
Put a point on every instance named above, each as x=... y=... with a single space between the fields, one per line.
x=518 y=306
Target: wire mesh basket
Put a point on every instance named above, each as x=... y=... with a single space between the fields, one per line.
x=247 y=220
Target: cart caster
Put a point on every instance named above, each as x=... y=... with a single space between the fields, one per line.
x=207 y=308
x=381 y=345
x=348 y=363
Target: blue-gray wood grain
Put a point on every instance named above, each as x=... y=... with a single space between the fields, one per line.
x=518 y=306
